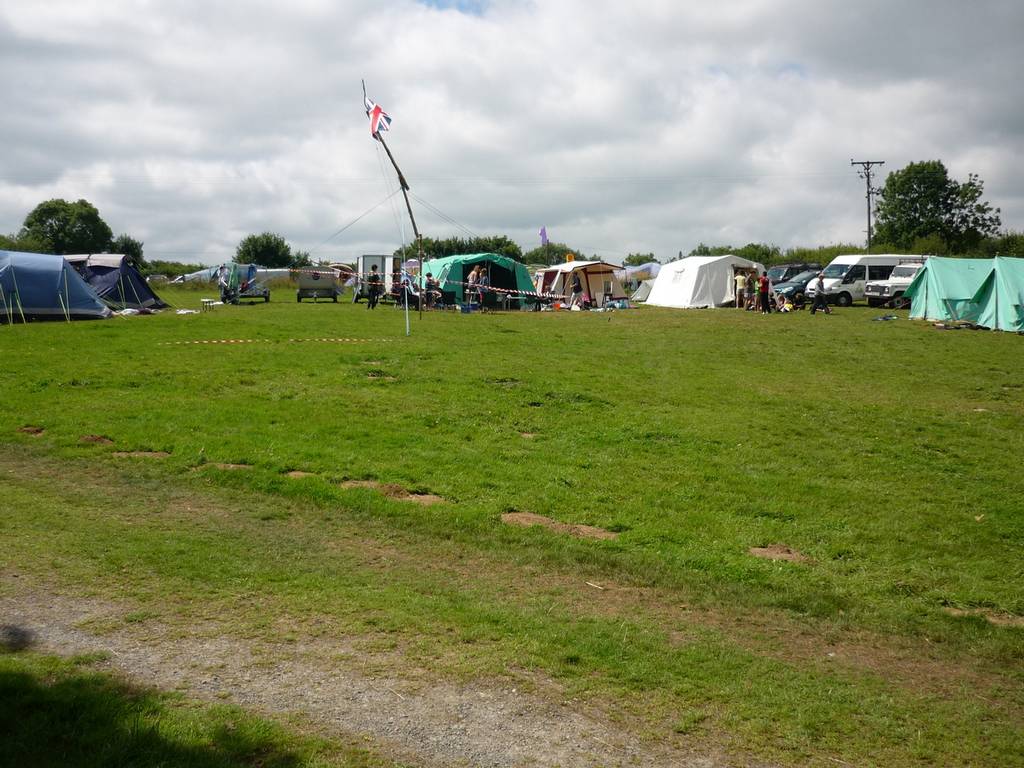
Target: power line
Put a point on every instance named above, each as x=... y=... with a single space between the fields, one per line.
x=357 y=218
x=865 y=173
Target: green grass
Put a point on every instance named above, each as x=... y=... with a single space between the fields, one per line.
x=872 y=448
x=62 y=712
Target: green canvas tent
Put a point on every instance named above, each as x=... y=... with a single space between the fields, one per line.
x=452 y=273
x=944 y=288
x=1000 y=299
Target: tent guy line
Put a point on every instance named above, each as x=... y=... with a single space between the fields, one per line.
x=269 y=341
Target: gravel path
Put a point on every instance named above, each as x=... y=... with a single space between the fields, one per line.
x=436 y=724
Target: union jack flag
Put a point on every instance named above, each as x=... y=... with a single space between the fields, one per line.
x=379 y=119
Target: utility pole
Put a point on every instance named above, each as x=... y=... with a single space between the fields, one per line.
x=865 y=173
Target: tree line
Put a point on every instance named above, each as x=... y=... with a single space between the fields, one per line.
x=921 y=209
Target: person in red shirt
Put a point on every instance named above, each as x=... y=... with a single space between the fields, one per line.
x=764 y=286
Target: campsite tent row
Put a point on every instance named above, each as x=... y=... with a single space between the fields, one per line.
x=986 y=292
x=43 y=286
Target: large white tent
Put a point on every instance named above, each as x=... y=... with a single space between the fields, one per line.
x=597 y=278
x=699 y=281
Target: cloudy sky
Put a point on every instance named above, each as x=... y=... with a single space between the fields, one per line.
x=620 y=128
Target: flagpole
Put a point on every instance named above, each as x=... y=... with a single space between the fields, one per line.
x=405 y=194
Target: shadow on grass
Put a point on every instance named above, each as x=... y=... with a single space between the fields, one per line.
x=53 y=712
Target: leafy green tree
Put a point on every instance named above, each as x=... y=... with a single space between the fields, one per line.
x=302 y=259
x=20 y=242
x=823 y=254
x=636 y=259
x=761 y=253
x=1006 y=244
x=64 y=227
x=552 y=253
x=265 y=249
x=710 y=250
x=132 y=248
x=452 y=246
x=922 y=200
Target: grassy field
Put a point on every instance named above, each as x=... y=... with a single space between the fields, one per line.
x=886 y=455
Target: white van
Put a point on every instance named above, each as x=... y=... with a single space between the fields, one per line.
x=845 y=276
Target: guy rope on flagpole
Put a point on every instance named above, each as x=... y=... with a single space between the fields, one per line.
x=380 y=121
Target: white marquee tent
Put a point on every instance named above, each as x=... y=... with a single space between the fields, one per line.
x=699 y=281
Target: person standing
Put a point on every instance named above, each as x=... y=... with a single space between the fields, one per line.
x=820 y=297
x=751 y=290
x=741 y=286
x=577 y=291
x=765 y=289
x=374 y=286
x=472 y=294
x=483 y=283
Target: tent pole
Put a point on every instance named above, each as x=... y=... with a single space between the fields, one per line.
x=67 y=293
x=136 y=293
x=17 y=294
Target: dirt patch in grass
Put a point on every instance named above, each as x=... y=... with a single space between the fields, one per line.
x=333 y=687
x=992 y=617
x=394 y=491
x=378 y=375
x=28 y=429
x=528 y=435
x=229 y=467
x=529 y=519
x=141 y=454
x=298 y=473
x=780 y=552
x=96 y=439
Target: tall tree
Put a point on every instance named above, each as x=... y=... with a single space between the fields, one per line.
x=265 y=249
x=132 y=248
x=921 y=201
x=64 y=227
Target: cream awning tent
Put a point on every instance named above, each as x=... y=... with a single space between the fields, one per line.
x=699 y=281
x=597 y=278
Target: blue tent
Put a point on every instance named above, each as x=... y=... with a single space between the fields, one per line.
x=41 y=286
x=116 y=281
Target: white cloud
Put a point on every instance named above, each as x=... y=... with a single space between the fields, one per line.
x=620 y=128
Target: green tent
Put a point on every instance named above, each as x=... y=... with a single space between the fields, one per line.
x=452 y=272
x=944 y=288
x=986 y=292
x=1001 y=297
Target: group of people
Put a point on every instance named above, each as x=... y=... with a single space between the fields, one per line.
x=478 y=285
x=755 y=294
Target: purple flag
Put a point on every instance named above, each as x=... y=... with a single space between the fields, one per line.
x=543 y=235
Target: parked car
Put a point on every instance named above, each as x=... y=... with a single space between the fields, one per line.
x=782 y=273
x=889 y=293
x=846 y=276
x=796 y=288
